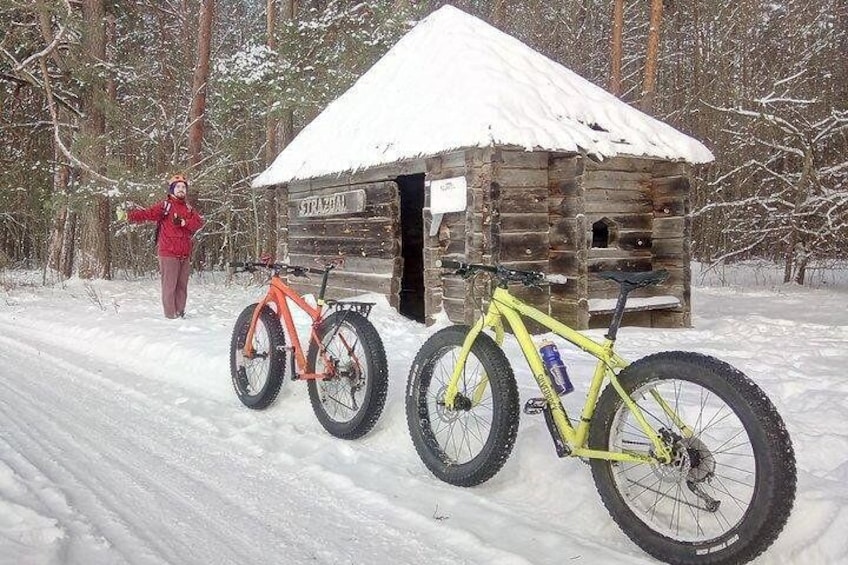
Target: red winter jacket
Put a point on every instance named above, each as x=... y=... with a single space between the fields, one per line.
x=174 y=240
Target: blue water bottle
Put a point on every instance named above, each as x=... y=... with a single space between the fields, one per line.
x=555 y=367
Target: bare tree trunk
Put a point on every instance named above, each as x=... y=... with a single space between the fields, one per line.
x=69 y=234
x=289 y=11
x=60 y=248
x=57 y=230
x=166 y=149
x=58 y=233
x=697 y=117
x=797 y=254
x=652 y=56
x=790 y=257
x=616 y=47
x=271 y=150
x=200 y=83
x=802 y=256
x=111 y=85
x=95 y=260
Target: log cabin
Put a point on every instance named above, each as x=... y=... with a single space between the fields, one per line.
x=464 y=143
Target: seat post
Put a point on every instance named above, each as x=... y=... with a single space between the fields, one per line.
x=618 y=314
x=324 y=279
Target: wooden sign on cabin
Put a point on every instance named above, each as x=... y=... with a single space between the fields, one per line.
x=349 y=202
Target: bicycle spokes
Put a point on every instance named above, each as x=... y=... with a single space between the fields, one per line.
x=707 y=487
x=343 y=387
x=253 y=369
x=462 y=429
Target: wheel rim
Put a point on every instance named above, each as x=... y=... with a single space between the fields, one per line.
x=343 y=395
x=253 y=373
x=461 y=432
x=707 y=488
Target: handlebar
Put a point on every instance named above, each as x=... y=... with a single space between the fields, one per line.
x=503 y=274
x=278 y=268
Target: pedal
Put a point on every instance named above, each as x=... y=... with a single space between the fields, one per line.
x=535 y=406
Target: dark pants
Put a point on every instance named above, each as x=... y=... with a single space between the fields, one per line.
x=174 y=273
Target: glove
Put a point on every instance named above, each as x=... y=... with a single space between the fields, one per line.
x=178 y=220
x=121 y=214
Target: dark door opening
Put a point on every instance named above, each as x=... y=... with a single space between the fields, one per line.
x=411 y=300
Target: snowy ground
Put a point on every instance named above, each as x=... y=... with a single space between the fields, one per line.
x=121 y=440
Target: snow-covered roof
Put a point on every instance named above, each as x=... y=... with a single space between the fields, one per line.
x=454 y=81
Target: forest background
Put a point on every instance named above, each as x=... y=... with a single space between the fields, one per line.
x=101 y=100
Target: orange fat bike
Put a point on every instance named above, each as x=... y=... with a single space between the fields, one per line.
x=345 y=363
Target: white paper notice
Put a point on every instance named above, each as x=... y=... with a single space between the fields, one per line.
x=447 y=195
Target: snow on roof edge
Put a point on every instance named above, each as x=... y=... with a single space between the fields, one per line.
x=546 y=108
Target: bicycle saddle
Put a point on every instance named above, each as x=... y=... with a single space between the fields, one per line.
x=636 y=280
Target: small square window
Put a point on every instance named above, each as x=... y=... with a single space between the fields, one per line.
x=603 y=233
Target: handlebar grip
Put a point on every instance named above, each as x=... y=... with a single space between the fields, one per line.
x=449 y=264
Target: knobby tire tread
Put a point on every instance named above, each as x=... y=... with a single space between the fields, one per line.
x=505 y=418
x=776 y=471
x=277 y=356
x=377 y=375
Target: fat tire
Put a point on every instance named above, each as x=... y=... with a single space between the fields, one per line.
x=774 y=488
x=377 y=376
x=505 y=414
x=277 y=357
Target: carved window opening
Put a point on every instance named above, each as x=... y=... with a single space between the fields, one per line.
x=604 y=233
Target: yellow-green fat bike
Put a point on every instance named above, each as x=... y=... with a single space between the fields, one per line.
x=689 y=456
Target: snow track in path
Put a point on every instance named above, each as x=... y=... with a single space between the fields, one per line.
x=159 y=486
x=144 y=470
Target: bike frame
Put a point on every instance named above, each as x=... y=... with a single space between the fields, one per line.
x=278 y=291
x=505 y=306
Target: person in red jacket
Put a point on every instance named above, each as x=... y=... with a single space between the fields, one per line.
x=177 y=222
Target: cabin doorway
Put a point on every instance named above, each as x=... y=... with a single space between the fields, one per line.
x=411 y=300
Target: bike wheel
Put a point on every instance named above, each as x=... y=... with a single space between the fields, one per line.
x=466 y=445
x=257 y=380
x=349 y=403
x=729 y=489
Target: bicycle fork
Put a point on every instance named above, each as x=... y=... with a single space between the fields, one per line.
x=550 y=406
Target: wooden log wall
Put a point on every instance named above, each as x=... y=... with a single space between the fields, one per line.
x=453 y=241
x=282 y=215
x=527 y=210
x=568 y=242
x=506 y=222
x=369 y=239
x=672 y=236
x=618 y=190
x=644 y=204
x=520 y=229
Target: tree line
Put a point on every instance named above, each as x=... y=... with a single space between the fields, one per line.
x=102 y=99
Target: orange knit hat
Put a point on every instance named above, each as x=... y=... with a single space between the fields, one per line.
x=174 y=180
